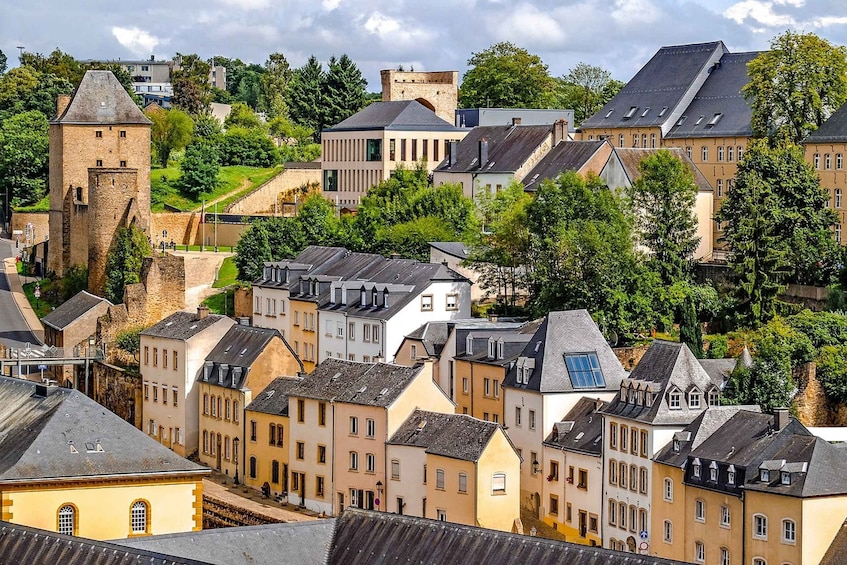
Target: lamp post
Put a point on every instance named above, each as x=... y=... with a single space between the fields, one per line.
x=235 y=443
x=88 y=361
x=378 y=494
x=536 y=466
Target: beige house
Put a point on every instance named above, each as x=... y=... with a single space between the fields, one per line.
x=342 y=415
x=454 y=468
x=244 y=362
x=172 y=354
x=364 y=149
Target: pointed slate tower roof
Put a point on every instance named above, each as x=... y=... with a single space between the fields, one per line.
x=101 y=99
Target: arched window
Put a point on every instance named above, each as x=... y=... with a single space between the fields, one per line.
x=789 y=531
x=67 y=520
x=253 y=467
x=139 y=517
x=669 y=490
x=668 y=531
x=205 y=441
x=724 y=556
x=228 y=409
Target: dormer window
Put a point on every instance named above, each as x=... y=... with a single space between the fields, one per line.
x=500 y=349
x=363 y=296
x=648 y=398
x=469 y=345
x=785 y=478
x=313 y=290
x=730 y=475
x=764 y=475
x=676 y=445
x=695 y=469
x=714 y=397
x=491 y=348
x=675 y=400
x=374 y=296
x=694 y=399
x=287 y=275
x=632 y=395
x=713 y=471
x=385 y=298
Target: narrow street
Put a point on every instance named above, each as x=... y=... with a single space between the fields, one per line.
x=14 y=331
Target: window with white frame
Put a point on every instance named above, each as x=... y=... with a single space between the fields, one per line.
x=700 y=510
x=366 y=333
x=730 y=475
x=439 y=479
x=613 y=512
x=759 y=561
x=694 y=397
x=532 y=419
x=724 y=556
x=463 y=482
x=67 y=520
x=699 y=552
x=370 y=427
x=725 y=516
x=613 y=472
x=838 y=198
x=395 y=469
x=354 y=425
x=370 y=463
x=675 y=400
x=705 y=153
x=452 y=302
x=789 y=531
x=714 y=397
x=351 y=331
x=517 y=415
x=668 y=494
x=667 y=531
x=839 y=161
x=138 y=517
x=426 y=303
x=498 y=483
x=760 y=526
x=713 y=471
x=354 y=461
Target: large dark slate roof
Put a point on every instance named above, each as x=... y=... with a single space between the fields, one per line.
x=581 y=429
x=434 y=335
x=560 y=333
x=274 y=398
x=367 y=537
x=182 y=325
x=665 y=366
x=631 y=157
x=295 y=543
x=372 y=384
x=513 y=343
x=833 y=130
x=101 y=99
x=405 y=115
x=65 y=314
x=32 y=546
x=720 y=94
x=307 y=260
x=697 y=432
x=457 y=436
x=39 y=434
x=239 y=347
x=669 y=80
x=509 y=147
x=566 y=156
x=454 y=248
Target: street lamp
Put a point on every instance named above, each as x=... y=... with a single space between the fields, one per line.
x=536 y=466
x=378 y=494
x=88 y=361
x=235 y=443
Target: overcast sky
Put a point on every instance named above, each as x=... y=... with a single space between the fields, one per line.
x=619 y=35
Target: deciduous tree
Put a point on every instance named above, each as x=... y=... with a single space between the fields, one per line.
x=506 y=76
x=23 y=158
x=190 y=80
x=123 y=265
x=586 y=88
x=171 y=131
x=200 y=168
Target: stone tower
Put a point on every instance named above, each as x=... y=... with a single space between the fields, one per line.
x=437 y=90
x=99 y=136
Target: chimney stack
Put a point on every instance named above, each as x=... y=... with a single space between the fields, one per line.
x=560 y=131
x=453 y=150
x=781 y=418
x=516 y=121
x=483 y=152
x=62 y=103
x=202 y=312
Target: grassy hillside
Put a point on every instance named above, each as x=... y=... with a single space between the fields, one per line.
x=234 y=182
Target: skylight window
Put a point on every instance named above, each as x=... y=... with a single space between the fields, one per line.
x=681 y=120
x=662 y=112
x=700 y=119
x=631 y=112
x=609 y=113
x=584 y=370
x=644 y=113
x=715 y=119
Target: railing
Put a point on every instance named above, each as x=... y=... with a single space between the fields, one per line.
x=30 y=352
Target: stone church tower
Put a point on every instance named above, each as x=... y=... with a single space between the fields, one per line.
x=99 y=174
x=437 y=90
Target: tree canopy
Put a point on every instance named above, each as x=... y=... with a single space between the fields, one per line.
x=123 y=265
x=23 y=158
x=796 y=85
x=171 y=131
x=506 y=76
x=586 y=88
x=190 y=80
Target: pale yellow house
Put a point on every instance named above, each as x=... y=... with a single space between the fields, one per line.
x=267 y=445
x=454 y=468
x=244 y=362
x=364 y=149
x=824 y=151
x=341 y=416
x=172 y=353
x=71 y=467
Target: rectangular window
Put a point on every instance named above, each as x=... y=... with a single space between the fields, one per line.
x=532 y=419
x=463 y=482
x=330 y=180
x=354 y=461
x=164 y=358
x=351 y=331
x=370 y=428
x=426 y=303
x=301 y=410
x=554 y=504
x=760 y=526
x=164 y=395
x=613 y=435
x=98 y=133
x=354 y=425
x=155 y=356
x=439 y=479
x=498 y=483
x=319 y=487
x=392 y=149
x=123 y=163
x=321 y=454
x=705 y=151
x=517 y=415
x=395 y=469
x=301 y=450
x=583 y=479
x=366 y=333
x=375 y=334
x=370 y=461
x=725 y=516
x=452 y=302
x=155 y=393
x=533 y=462
x=374 y=150
x=414 y=149
x=624 y=438
x=644 y=443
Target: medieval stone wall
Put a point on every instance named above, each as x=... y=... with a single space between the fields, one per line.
x=437 y=90
x=220 y=514
x=265 y=198
x=120 y=391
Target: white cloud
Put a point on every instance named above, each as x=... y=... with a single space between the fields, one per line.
x=330 y=5
x=527 y=21
x=247 y=4
x=639 y=12
x=394 y=30
x=136 y=40
x=794 y=3
x=761 y=13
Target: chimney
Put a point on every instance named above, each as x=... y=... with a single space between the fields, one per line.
x=516 y=121
x=483 y=152
x=62 y=103
x=453 y=151
x=598 y=404
x=560 y=131
x=781 y=418
x=202 y=312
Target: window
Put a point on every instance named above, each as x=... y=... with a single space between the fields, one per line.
x=668 y=495
x=67 y=520
x=584 y=370
x=321 y=454
x=759 y=561
x=699 y=552
x=354 y=425
x=613 y=472
x=301 y=450
x=613 y=435
x=395 y=469
x=205 y=441
x=764 y=474
x=730 y=153
x=644 y=442
x=622 y=474
x=730 y=475
x=370 y=463
x=720 y=187
x=633 y=478
x=613 y=512
x=724 y=556
x=725 y=516
x=705 y=153
x=554 y=471
x=98 y=134
x=675 y=400
x=228 y=410
x=620 y=140
x=301 y=410
x=354 y=461
x=624 y=438
x=252 y=467
x=465 y=385
x=375 y=334
x=642 y=483
x=695 y=469
x=583 y=479
x=439 y=479
x=554 y=504
x=694 y=399
x=760 y=526
x=622 y=515
x=652 y=140
x=319 y=487
x=366 y=333
x=374 y=150
x=714 y=397
x=789 y=531
x=272 y=434
x=827 y=161
x=700 y=510
x=713 y=471
x=123 y=163
x=138 y=517
x=740 y=152
x=370 y=427
x=452 y=301
x=839 y=161
x=817 y=161
x=642 y=520
x=463 y=482
x=156 y=394
x=635 y=140
x=633 y=444
x=424 y=473
x=498 y=483
x=253 y=427
x=593 y=523
x=147 y=393
x=667 y=533
x=99 y=162
x=720 y=153
x=175 y=395
x=330 y=180
x=838 y=198
x=532 y=419
x=441 y=515
x=426 y=303
x=517 y=415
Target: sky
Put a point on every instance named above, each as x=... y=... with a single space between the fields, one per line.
x=435 y=35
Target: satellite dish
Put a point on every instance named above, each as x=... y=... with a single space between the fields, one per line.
x=612 y=338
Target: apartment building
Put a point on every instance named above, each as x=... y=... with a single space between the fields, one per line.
x=173 y=352
x=824 y=150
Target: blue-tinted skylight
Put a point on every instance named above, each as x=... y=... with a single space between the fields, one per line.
x=584 y=370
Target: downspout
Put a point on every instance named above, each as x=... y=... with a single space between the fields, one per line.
x=472 y=388
x=332 y=467
x=743 y=529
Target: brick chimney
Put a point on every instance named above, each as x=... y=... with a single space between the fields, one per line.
x=62 y=103
x=560 y=131
x=202 y=312
x=780 y=418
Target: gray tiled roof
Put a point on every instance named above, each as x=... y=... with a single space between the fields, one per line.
x=666 y=366
x=101 y=99
x=833 y=130
x=182 y=325
x=631 y=157
x=405 y=115
x=509 y=147
x=366 y=537
x=66 y=313
x=38 y=435
x=372 y=384
x=513 y=341
x=566 y=156
x=295 y=543
x=669 y=80
x=583 y=429
x=32 y=546
x=239 y=347
x=560 y=333
x=454 y=248
x=719 y=369
x=457 y=436
x=304 y=262
x=274 y=398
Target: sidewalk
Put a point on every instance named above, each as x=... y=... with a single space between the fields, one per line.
x=23 y=304
x=220 y=486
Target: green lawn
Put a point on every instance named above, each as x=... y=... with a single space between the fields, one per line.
x=41 y=306
x=42 y=205
x=227 y=274
x=235 y=181
x=223 y=303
